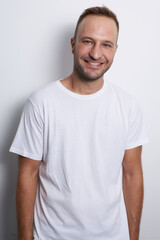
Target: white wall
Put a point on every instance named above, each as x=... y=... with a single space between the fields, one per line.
x=35 y=49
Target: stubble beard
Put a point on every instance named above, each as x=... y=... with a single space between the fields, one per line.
x=86 y=77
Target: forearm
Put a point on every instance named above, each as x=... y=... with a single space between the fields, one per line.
x=133 y=194
x=25 y=199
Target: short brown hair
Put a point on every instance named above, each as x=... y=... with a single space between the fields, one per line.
x=99 y=11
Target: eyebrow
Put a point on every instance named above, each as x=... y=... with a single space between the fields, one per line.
x=106 y=41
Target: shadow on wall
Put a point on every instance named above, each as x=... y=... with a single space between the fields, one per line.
x=8 y=227
x=62 y=61
x=9 y=165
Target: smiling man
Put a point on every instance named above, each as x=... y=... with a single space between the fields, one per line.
x=79 y=143
x=94 y=46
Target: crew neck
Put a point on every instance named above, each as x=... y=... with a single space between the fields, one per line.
x=81 y=96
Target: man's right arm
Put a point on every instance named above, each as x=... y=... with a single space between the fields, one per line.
x=25 y=196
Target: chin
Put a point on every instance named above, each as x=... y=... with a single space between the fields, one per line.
x=84 y=76
x=90 y=78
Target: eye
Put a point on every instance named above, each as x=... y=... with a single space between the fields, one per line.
x=87 y=41
x=107 y=45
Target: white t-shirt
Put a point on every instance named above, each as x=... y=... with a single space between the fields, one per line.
x=80 y=140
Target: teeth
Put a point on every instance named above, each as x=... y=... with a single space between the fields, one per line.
x=96 y=64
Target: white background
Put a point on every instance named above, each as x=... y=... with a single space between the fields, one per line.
x=35 y=50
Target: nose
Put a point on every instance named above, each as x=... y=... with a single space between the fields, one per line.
x=95 y=52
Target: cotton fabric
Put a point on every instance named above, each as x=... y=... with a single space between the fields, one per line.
x=80 y=141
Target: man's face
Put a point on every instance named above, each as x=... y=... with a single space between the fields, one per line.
x=94 y=47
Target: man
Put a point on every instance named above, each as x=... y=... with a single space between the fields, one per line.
x=83 y=137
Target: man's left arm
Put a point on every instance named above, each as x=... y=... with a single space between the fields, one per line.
x=133 y=189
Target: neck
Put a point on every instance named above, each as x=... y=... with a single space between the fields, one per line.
x=84 y=87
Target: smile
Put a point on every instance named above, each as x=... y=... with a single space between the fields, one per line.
x=93 y=63
x=96 y=64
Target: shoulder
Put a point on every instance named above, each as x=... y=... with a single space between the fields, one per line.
x=124 y=102
x=45 y=93
x=121 y=96
x=43 y=97
x=117 y=91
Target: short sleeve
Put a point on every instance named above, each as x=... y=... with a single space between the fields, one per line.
x=28 y=141
x=137 y=134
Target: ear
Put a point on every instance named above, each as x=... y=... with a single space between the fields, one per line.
x=72 y=44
